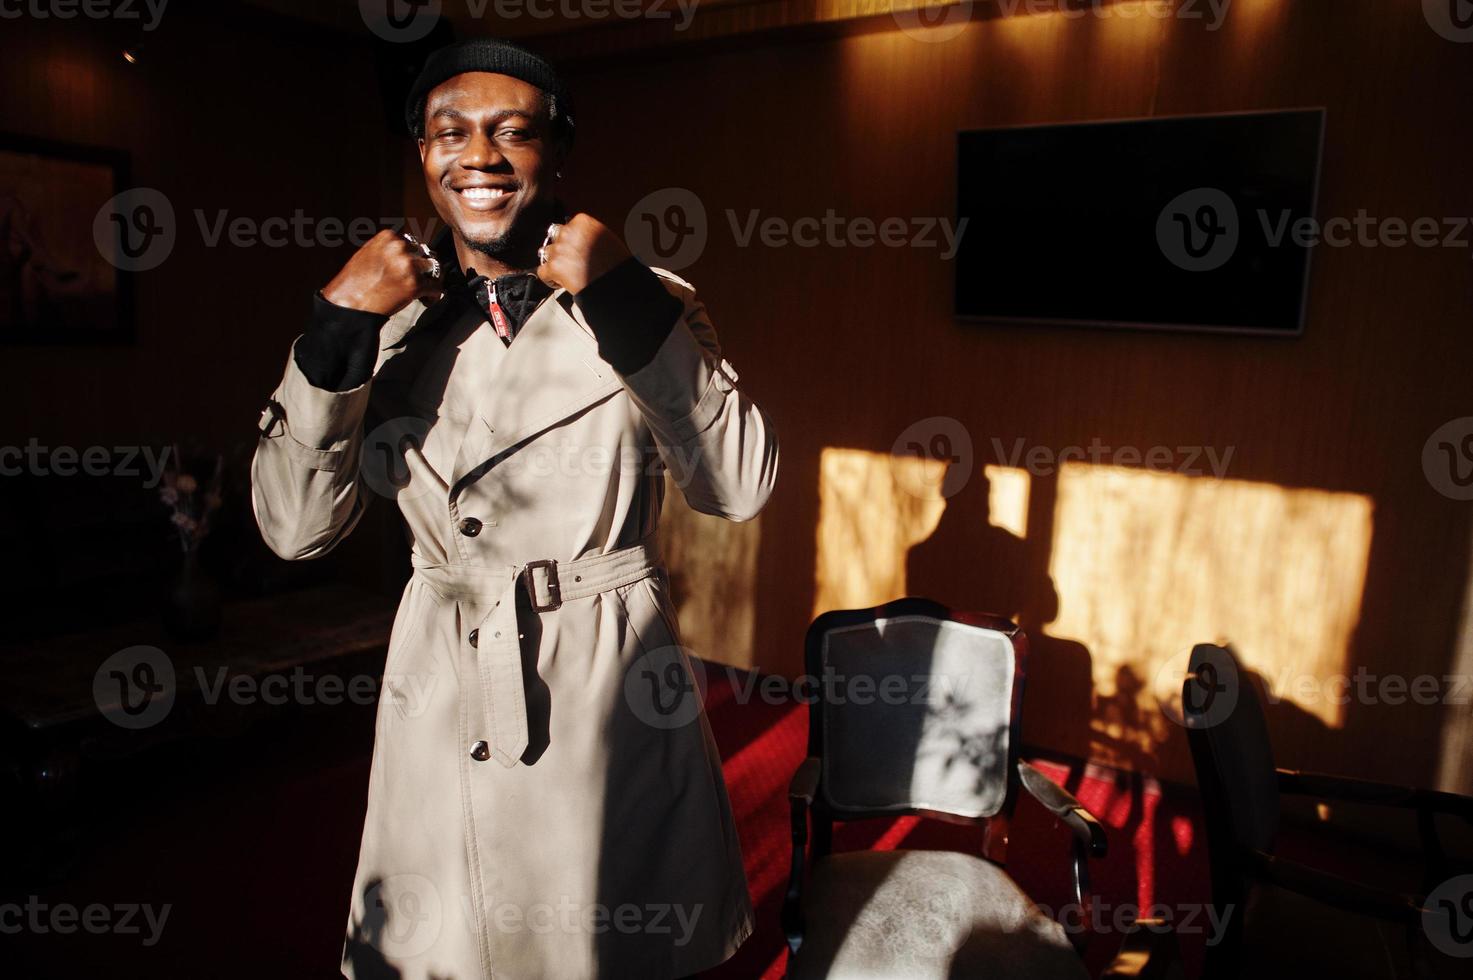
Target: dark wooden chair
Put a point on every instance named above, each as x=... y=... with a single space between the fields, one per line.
x=917 y=712
x=1269 y=902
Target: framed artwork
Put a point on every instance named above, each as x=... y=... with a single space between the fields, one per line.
x=56 y=284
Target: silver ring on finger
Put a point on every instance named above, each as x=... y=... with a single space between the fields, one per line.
x=542 y=255
x=412 y=240
x=434 y=267
x=552 y=233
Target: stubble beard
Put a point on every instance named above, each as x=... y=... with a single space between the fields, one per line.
x=517 y=245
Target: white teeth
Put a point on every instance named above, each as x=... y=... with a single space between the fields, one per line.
x=483 y=193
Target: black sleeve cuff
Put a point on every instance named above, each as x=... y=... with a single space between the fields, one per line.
x=630 y=313
x=340 y=347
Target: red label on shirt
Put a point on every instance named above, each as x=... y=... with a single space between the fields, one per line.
x=498 y=318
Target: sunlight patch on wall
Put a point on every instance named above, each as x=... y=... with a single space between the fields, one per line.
x=1455 y=767
x=869 y=516
x=1026 y=36
x=1007 y=499
x=1250 y=20
x=713 y=573
x=1252 y=30
x=1118 y=21
x=1148 y=563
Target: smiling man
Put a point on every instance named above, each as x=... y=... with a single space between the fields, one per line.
x=545 y=798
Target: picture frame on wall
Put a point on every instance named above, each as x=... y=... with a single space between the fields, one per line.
x=57 y=285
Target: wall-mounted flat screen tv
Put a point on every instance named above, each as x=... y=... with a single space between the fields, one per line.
x=1193 y=223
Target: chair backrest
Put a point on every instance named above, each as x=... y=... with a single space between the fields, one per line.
x=1238 y=781
x=1230 y=751
x=916 y=710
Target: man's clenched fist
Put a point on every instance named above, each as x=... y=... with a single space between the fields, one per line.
x=384 y=276
x=582 y=250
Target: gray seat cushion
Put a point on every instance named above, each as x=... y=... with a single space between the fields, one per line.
x=900 y=915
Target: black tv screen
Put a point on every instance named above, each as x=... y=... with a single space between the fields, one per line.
x=1183 y=223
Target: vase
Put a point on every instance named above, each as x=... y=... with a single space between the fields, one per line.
x=192 y=609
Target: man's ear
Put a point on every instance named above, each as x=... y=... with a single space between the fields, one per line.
x=421 y=144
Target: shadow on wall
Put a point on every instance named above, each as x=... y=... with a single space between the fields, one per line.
x=1114 y=573
x=713 y=578
x=973 y=560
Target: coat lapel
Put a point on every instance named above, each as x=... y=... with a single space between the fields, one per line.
x=550 y=372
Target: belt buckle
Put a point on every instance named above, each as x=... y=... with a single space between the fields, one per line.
x=277 y=413
x=553 y=587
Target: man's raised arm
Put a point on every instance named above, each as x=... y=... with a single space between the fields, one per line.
x=304 y=477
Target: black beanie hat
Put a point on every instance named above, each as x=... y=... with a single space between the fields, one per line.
x=490 y=55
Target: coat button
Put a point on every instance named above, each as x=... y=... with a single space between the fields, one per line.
x=475 y=635
x=470 y=527
x=480 y=751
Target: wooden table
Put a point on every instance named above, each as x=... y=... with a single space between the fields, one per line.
x=61 y=703
x=49 y=685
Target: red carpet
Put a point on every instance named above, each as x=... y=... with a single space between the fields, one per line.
x=251 y=840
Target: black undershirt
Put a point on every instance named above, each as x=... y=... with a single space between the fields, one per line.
x=627 y=308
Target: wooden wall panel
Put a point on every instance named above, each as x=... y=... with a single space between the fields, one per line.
x=846 y=347
x=233 y=114
x=242 y=114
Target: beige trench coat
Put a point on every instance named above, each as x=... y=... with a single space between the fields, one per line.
x=606 y=847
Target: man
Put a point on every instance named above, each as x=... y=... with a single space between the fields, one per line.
x=538 y=807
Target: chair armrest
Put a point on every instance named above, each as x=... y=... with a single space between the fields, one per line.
x=1149 y=952
x=1088 y=831
x=1089 y=835
x=1335 y=891
x=801 y=793
x=1427 y=804
x=804 y=786
x=1326 y=786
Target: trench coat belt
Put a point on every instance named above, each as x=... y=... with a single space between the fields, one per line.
x=498 y=650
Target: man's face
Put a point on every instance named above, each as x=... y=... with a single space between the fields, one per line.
x=489 y=160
